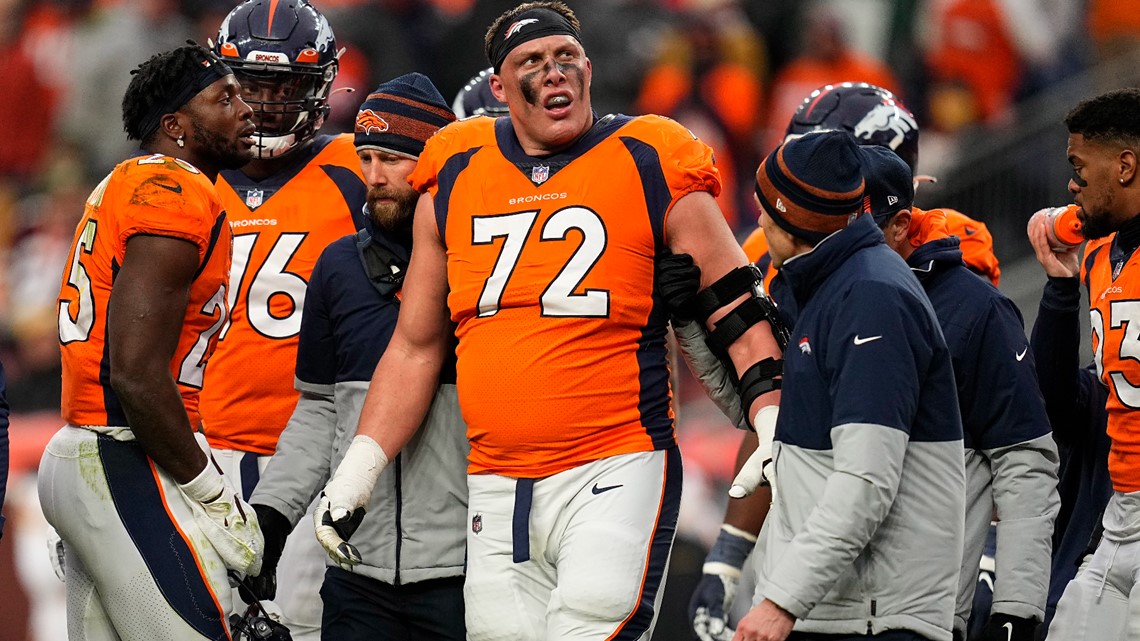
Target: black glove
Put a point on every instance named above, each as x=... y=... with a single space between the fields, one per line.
x=677 y=282
x=1003 y=627
x=276 y=528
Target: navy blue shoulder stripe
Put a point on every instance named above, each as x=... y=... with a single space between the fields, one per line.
x=351 y=188
x=653 y=184
x=215 y=233
x=446 y=181
x=116 y=416
x=1089 y=261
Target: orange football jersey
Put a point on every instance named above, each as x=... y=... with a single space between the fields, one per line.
x=756 y=249
x=281 y=225
x=561 y=356
x=154 y=195
x=1114 y=301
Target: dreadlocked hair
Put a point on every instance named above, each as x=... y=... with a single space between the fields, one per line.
x=154 y=81
x=553 y=5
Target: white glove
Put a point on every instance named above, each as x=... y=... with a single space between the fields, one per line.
x=228 y=522
x=758 y=469
x=342 y=503
x=56 y=554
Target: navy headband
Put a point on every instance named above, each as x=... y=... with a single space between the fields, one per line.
x=531 y=24
x=212 y=70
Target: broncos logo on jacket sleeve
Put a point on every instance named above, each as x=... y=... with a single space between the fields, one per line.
x=367 y=122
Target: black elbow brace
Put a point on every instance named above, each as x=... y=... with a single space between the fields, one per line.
x=757 y=308
x=761 y=378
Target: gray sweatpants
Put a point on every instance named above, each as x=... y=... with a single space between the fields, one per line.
x=1103 y=601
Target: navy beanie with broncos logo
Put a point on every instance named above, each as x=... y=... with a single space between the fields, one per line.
x=400 y=115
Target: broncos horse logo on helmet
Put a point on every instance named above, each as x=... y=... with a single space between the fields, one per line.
x=284 y=53
x=870 y=113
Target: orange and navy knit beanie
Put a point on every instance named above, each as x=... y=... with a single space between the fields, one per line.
x=401 y=115
x=812 y=186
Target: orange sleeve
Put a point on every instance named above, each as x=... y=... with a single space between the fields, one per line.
x=755 y=246
x=155 y=189
x=688 y=162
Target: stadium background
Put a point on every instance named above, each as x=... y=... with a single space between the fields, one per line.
x=988 y=80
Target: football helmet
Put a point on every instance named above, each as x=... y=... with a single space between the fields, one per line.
x=476 y=99
x=870 y=113
x=285 y=56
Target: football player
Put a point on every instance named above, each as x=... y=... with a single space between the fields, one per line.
x=535 y=241
x=150 y=525
x=302 y=191
x=1103 y=601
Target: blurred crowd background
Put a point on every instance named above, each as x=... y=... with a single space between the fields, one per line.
x=988 y=80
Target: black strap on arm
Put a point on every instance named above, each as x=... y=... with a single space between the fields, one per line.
x=748 y=313
x=726 y=289
x=758 y=380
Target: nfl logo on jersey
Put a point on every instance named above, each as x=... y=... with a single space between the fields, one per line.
x=477 y=523
x=254 y=198
x=539 y=174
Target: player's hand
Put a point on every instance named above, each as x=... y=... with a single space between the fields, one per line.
x=275 y=528
x=56 y=554
x=712 y=600
x=758 y=469
x=765 y=622
x=228 y=522
x=1003 y=627
x=676 y=281
x=1058 y=263
x=333 y=534
x=342 y=503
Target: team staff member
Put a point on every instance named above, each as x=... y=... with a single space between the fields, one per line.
x=410 y=585
x=1011 y=459
x=302 y=191
x=874 y=116
x=865 y=532
x=539 y=231
x=1103 y=601
x=149 y=524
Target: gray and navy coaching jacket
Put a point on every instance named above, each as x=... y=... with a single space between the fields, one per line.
x=1011 y=459
x=414 y=528
x=865 y=530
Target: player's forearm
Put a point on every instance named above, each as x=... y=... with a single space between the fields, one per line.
x=158 y=420
x=748 y=513
x=400 y=394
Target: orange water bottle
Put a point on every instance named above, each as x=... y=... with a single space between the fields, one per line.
x=1063 y=227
